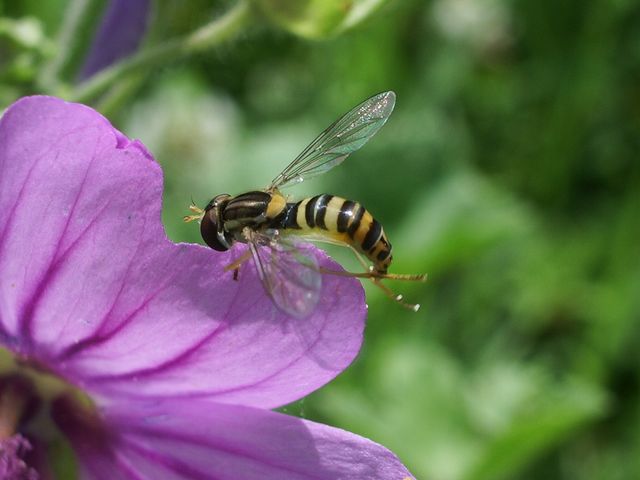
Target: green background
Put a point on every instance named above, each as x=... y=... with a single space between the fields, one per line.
x=509 y=172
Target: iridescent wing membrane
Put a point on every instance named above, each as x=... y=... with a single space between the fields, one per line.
x=290 y=276
x=339 y=140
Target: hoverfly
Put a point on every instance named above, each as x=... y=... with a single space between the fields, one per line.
x=271 y=225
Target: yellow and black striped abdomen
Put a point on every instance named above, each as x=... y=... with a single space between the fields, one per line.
x=340 y=220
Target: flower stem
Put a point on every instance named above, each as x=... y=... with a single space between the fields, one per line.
x=75 y=18
x=202 y=39
x=118 y=95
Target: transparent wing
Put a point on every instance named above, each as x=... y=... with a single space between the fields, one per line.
x=289 y=276
x=343 y=137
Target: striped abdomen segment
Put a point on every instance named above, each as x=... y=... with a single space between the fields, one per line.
x=343 y=220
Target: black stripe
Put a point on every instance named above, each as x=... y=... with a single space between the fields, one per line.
x=253 y=198
x=292 y=216
x=372 y=235
x=247 y=206
x=346 y=211
x=321 y=208
x=280 y=220
x=355 y=224
x=310 y=211
x=243 y=212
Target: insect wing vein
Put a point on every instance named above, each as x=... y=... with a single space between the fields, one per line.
x=339 y=140
x=289 y=276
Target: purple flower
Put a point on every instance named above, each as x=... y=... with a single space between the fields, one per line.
x=123 y=26
x=12 y=464
x=152 y=361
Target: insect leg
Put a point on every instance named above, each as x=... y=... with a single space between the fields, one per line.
x=235 y=265
x=376 y=279
x=250 y=253
x=371 y=273
x=395 y=297
x=362 y=261
x=410 y=277
x=374 y=276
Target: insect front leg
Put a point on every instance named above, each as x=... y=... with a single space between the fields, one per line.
x=235 y=265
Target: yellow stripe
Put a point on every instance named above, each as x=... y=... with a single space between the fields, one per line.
x=333 y=210
x=276 y=205
x=361 y=232
x=331 y=216
x=300 y=217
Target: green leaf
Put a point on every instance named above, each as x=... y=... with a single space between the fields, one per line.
x=26 y=32
x=544 y=420
x=317 y=19
x=456 y=221
x=23 y=46
x=450 y=421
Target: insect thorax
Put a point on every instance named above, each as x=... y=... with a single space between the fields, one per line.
x=252 y=209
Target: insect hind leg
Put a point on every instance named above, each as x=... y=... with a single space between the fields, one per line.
x=362 y=261
x=414 y=307
x=372 y=273
x=377 y=277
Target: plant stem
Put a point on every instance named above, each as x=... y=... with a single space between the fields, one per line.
x=119 y=94
x=202 y=39
x=74 y=19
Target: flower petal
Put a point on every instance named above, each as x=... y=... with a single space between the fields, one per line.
x=123 y=25
x=181 y=439
x=91 y=287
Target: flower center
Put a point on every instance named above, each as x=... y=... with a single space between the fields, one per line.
x=26 y=394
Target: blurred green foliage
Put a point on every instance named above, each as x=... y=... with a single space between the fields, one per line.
x=509 y=171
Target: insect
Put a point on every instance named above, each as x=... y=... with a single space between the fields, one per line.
x=273 y=227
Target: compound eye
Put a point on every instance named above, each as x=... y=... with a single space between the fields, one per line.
x=212 y=232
